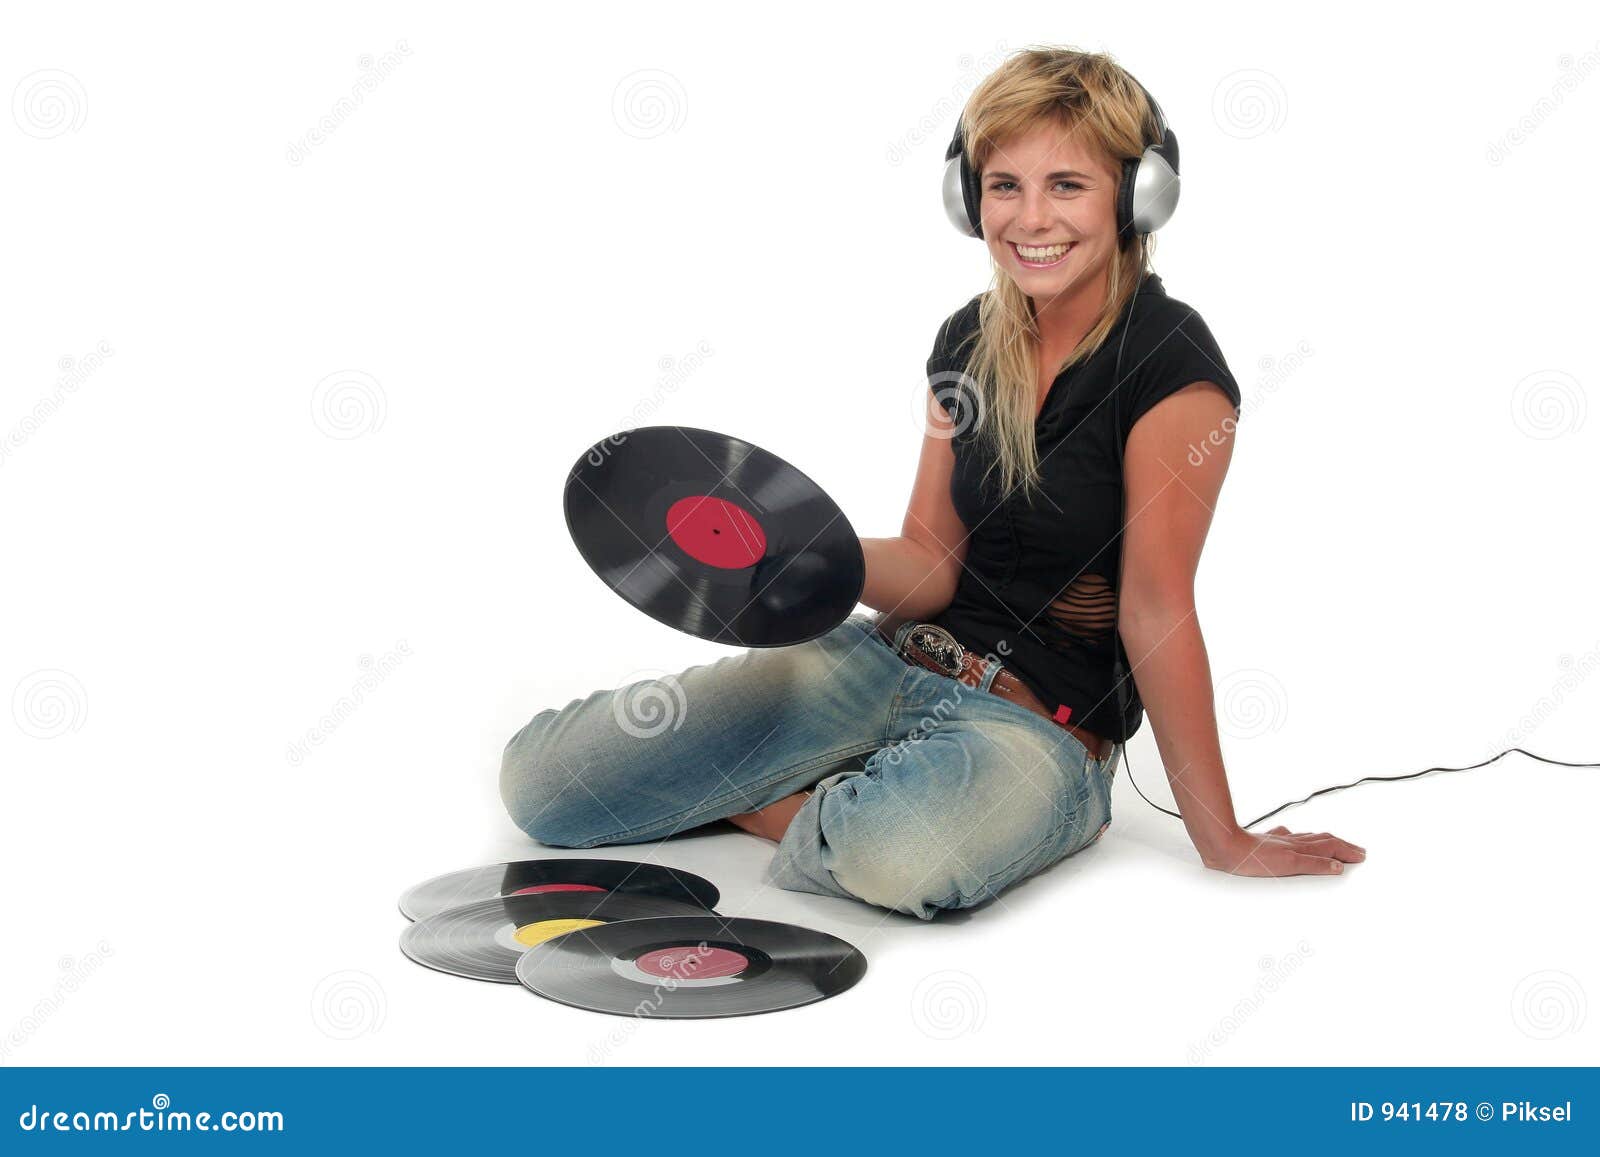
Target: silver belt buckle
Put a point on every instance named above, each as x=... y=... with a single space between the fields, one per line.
x=939 y=645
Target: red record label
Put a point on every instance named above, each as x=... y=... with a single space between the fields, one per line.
x=716 y=532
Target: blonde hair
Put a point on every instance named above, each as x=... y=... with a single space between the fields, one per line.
x=1083 y=92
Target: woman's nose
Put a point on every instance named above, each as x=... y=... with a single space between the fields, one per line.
x=1036 y=212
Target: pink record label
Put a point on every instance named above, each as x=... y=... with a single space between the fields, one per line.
x=692 y=962
x=557 y=888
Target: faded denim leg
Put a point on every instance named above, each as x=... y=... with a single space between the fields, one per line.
x=648 y=760
x=977 y=794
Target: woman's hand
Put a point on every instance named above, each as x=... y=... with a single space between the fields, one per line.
x=1281 y=852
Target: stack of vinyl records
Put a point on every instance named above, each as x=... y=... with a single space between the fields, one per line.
x=619 y=937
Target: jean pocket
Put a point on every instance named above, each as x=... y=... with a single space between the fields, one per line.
x=1107 y=767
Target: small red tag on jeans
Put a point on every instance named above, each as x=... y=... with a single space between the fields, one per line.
x=1063 y=713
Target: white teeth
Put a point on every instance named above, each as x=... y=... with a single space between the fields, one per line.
x=1050 y=253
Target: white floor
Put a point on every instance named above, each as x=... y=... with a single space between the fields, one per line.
x=1465 y=939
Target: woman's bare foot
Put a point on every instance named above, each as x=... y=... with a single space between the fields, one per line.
x=773 y=820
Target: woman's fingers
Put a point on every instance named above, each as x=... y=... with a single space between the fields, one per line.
x=1323 y=843
x=1326 y=845
x=1281 y=852
x=1316 y=865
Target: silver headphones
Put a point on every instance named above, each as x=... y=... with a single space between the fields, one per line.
x=1145 y=199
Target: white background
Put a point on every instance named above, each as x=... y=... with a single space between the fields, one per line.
x=343 y=388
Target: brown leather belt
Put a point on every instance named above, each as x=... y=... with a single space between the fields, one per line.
x=936 y=649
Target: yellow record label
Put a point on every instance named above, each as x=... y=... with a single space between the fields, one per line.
x=539 y=932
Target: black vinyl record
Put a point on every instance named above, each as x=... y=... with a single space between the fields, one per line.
x=688 y=967
x=484 y=939
x=551 y=876
x=714 y=536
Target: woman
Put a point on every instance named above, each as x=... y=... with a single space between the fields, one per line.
x=1079 y=426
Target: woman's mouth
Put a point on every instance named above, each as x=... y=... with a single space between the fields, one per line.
x=1041 y=256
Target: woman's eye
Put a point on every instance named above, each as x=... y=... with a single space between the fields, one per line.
x=1002 y=186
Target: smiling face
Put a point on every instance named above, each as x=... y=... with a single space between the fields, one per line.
x=1049 y=216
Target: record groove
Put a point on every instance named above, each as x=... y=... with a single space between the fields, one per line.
x=689 y=967
x=454 y=889
x=483 y=940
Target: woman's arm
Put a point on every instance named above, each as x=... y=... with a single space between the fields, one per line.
x=915 y=575
x=906 y=577
x=1177 y=456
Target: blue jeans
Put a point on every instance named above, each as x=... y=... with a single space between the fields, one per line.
x=928 y=794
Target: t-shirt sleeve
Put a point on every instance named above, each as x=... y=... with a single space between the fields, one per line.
x=939 y=360
x=1177 y=353
x=952 y=344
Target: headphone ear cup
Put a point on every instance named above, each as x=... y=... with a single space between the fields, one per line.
x=972 y=195
x=1155 y=192
x=1150 y=187
x=960 y=189
x=955 y=197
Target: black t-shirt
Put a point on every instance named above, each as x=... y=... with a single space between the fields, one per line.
x=1041 y=578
